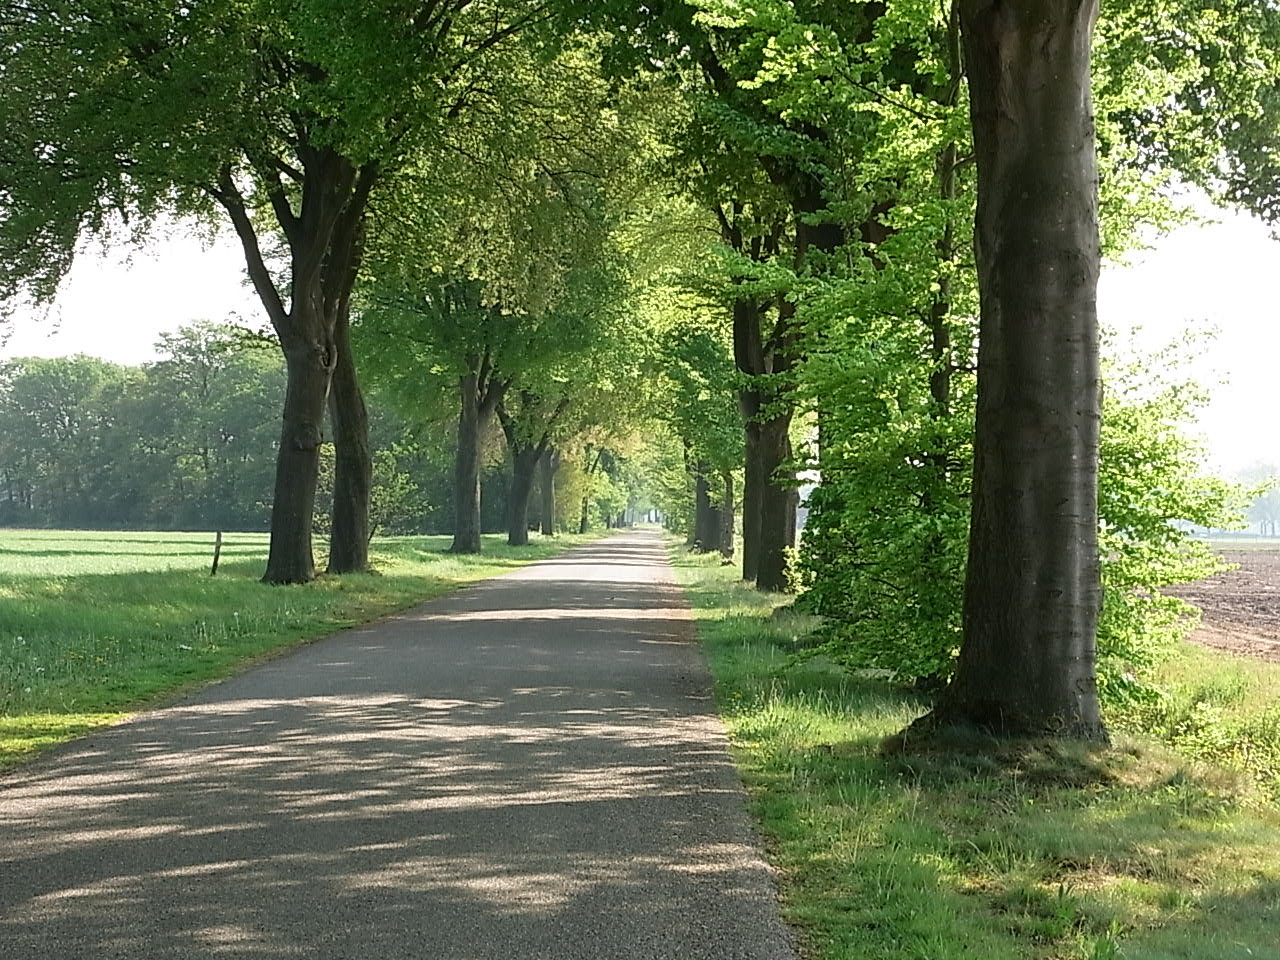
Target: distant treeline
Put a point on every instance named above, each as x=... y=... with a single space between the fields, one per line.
x=189 y=442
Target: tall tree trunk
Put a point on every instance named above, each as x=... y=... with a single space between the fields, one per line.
x=323 y=236
x=706 y=523
x=1032 y=592
x=466 y=472
x=309 y=370
x=752 y=502
x=584 y=520
x=726 y=517
x=353 y=461
x=748 y=353
x=524 y=468
x=550 y=467
x=777 y=517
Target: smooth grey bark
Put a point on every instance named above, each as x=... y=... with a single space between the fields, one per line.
x=752 y=500
x=524 y=467
x=706 y=516
x=308 y=370
x=727 y=509
x=767 y=530
x=466 y=469
x=480 y=390
x=550 y=466
x=1032 y=592
x=777 y=505
x=353 y=461
x=526 y=453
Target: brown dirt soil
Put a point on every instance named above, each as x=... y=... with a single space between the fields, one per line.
x=1242 y=607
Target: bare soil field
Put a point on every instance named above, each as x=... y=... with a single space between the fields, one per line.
x=1242 y=607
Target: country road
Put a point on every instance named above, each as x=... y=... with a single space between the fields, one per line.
x=528 y=768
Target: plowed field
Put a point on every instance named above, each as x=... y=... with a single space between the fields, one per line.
x=1242 y=607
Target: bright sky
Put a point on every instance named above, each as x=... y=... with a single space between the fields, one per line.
x=1216 y=276
x=115 y=304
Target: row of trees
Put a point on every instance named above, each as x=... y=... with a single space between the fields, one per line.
x=186 y=442
x=189 y=442
x=781 y=232
x=951 y=407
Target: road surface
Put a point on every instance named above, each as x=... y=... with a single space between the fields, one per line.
x=528 y=769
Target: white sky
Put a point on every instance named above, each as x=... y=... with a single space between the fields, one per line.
x=115 y=303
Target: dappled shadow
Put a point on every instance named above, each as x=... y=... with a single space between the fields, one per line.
x=530 y=768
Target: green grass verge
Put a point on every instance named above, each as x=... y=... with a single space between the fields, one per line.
x=1035 y=852
x=1215 y=708
x=95 y=625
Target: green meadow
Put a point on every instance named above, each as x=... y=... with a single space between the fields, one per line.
x=94 y=625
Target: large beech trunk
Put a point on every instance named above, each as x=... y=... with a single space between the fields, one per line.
x=749 y=357
x=323 y=237
x=353 y=462
x=1032 y=593
x=309 y=370
x=523 y=471
x=777 y=505
x=528 y=428
x=480 y=390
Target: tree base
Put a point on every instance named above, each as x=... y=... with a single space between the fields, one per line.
x=984 y=727
x=334 y=572
x=285 y=580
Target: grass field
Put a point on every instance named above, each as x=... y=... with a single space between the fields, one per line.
x=1037 y=852
x=94 y=625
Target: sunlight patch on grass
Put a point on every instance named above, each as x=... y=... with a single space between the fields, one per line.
x=24 y=735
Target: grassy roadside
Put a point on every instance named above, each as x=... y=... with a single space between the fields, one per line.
x=94 y=625
x=1039 y=853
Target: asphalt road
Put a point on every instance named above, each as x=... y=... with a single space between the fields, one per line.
x=530 y=768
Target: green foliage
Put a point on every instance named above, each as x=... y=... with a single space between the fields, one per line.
x=185 y=442
x=884 y=553
x=130 y=109
x=1151 y=486
x=1215 y=708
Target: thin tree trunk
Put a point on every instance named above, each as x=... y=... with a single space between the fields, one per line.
x=524 y=467
x=1032 y=592
x=726 y=518
x=584 y=521
x=353 y=462
x=752 y=502
x=777 y=520
x=308 y=372
x=466 y=474
x=550 y=466
x=706 y=515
